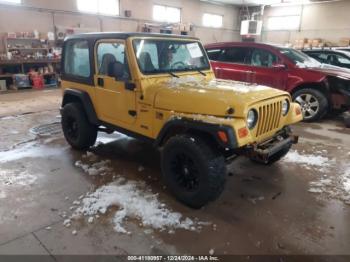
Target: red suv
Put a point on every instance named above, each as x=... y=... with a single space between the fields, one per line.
x=318 y=88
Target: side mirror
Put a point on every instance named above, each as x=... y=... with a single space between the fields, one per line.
x=279 y=66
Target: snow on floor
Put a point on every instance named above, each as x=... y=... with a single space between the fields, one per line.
x=346 y=179
x=30 y=150
x=2 y=195
x=95 y=169
x=333 y=175
x=133 y=200
x=309 y=161
x=16 y=178
x=10 y=117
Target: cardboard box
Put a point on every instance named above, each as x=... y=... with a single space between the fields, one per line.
x=344 y=42
x=316 y=42
x=301 y=41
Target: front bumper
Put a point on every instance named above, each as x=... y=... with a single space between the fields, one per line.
x=273 y=148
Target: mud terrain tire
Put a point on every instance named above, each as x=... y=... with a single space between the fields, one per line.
x=194 y=172
x=77 y=130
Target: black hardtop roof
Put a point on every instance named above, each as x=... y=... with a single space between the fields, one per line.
x=120 y=35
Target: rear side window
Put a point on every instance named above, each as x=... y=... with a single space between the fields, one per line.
x=236 y=55
x=77 y=59
x=263 y=58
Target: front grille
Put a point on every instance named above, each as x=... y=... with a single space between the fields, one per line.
x=269 y=117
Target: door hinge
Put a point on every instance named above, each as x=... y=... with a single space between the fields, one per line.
x=100 y=82
x=132 y=113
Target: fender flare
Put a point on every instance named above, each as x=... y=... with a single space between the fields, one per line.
x=73 y=95
x=193 y=126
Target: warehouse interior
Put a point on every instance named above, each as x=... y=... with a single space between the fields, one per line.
x=326 y=21
x=174 y=130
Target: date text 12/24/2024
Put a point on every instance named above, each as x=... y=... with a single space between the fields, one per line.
x=173 y=258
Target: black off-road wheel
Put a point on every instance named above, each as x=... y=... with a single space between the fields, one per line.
x=77 y=130
x=194 y=172
x=314 y=104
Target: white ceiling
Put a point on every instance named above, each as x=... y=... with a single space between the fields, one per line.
x=247 y=2
x=264 y=2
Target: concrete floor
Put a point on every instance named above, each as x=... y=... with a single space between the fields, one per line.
x=264 y=210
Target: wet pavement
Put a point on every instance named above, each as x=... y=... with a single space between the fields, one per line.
x=289 y=208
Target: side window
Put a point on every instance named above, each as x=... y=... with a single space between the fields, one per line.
x=77 y=59
x=263 y=58
x=214 y=54
x=236 y=55
x=322 y=57
x=112 y=61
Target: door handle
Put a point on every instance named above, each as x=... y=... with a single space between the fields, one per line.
x=130 y=86
x=100 y=82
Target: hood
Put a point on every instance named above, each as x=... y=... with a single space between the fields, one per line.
x=332 y=71
x=211 y=97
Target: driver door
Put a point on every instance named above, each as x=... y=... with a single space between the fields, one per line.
x=116 y=103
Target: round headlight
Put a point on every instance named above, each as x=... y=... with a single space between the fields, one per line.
x=285 y=107
x=252 y=118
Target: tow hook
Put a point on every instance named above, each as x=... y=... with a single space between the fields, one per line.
x=280 y=138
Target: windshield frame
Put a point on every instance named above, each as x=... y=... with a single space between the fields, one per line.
x=308 y=61
x=160 y=71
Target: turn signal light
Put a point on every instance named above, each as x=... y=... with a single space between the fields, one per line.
x=298 y=110
x=242 y=132
x=223 y=136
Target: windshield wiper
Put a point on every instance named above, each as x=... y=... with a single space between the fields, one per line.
x=172 y=74
x=196 y=69
x=201 y=72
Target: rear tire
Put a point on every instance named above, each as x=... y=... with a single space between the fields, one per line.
x=77 y=130
x=193 y=171
x=314 y=104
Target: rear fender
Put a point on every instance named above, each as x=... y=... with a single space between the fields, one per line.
x=73 y=95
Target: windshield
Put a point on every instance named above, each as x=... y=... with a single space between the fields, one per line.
x=164 y=56
x=299 y=58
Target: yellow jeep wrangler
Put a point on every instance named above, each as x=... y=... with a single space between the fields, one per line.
x=161 y=88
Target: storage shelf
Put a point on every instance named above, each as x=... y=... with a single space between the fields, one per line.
x=22 y=38
x=33 y=61
x=26 y=48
